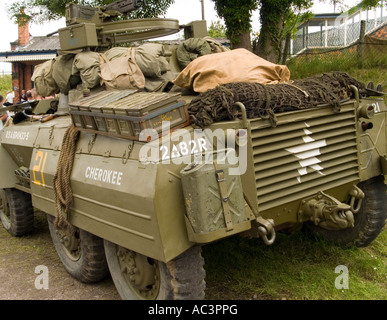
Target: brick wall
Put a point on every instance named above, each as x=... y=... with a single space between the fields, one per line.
x=23 y=34
x=27 y=77
x=20 y=71
x=380 y=33
x=16 y=80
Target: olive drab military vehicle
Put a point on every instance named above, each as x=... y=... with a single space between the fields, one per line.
x=133 y=187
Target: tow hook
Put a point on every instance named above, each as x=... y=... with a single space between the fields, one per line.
x=265 y=228
x=327 y=212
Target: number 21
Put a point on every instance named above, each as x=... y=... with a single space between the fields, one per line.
x=40 y=159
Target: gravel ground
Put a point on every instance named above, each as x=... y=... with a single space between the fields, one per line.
x=26 y=260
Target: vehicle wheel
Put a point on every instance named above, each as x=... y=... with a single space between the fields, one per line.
x=16 y=212
x=188 y=275
x=82 y=254
x=369 y=221
x=138 y=277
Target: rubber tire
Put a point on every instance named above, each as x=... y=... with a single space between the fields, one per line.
x=91 y=265
x=16 y=212
x=180 y=279
x=369 y=221
x=188 y=275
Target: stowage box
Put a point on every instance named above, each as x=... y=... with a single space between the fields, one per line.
x=127 y=113
x=77 y=36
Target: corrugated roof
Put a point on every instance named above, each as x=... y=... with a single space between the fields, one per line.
x=38 y=48
x=41 y=44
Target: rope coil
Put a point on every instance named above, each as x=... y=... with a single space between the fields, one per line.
x=61 y=182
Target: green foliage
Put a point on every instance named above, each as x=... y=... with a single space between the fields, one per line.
x=217 y=30
x=368 y=4
x=5 y=84
x=346 y=60
x=274 y=16
x=152 y=9
x=373 y=66
x=37 y=10
x=236 y=15
x=293 y=19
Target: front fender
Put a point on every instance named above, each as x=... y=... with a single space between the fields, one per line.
x=8 y=167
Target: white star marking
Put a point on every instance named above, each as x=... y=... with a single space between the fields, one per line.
x=307 y=153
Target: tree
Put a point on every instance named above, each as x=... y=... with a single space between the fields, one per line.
x=237 y=17
x=289 y=31
x=46 y=10
x=368 y=4
x=273 y=16
x=217 y=30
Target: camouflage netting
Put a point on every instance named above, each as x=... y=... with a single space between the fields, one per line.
x=264 y=101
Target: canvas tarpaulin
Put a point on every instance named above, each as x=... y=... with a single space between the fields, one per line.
x=239 y=65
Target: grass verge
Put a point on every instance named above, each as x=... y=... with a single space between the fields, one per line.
x=295 y=267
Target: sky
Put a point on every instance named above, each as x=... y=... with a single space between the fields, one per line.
x=179 y=10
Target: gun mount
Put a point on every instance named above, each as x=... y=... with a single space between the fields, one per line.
x=89 y=27
x=76 y=13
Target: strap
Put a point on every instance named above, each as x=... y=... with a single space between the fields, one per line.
x=103 y=58
x=224 y=196
x=133 y=68
x=131 y=54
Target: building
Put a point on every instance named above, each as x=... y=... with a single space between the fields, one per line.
x=26 y=52
x=334 y=31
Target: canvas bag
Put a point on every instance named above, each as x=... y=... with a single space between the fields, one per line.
x=191 y=49
x=151 y=60
x=121 y=72
x=61 y=73
x=87 y=65
x=44 y=82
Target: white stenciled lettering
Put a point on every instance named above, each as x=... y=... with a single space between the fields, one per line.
x=103 y=175
x=92 y=172
x=183 y=149
x=87 y=173
x=109 y=174
x=119 y=177
x=17 y=135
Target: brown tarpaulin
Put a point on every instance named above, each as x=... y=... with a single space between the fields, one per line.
x=239 y=65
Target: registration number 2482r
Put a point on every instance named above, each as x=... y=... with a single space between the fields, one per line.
x=183 y=149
